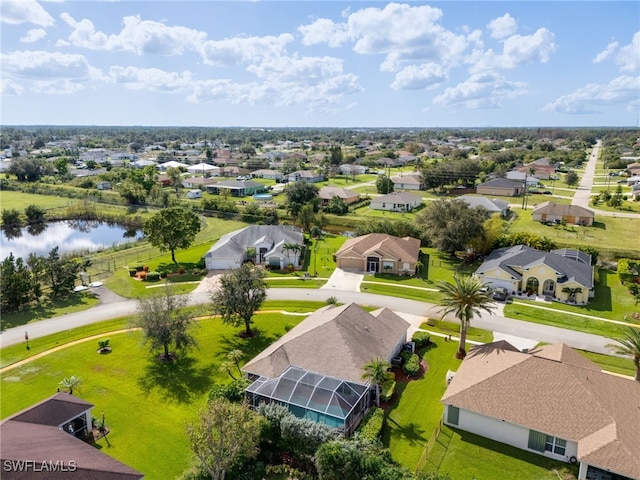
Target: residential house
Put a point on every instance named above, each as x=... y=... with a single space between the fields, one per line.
x=143 y=163
x=540 y=168
x=104 y=185
x=378 y=253
x=305 y=176
x=268 y=174
x=325 y=384
x=518 y=176
x=327 y=193
x=47 y=440
x=204 y=169
x=552 y=401
x=197 y=182
x=237 y=188
x=269 y=245
x=633 y=180
x=502 y=187
x=192 y=194
x=565 y=275
x=635 y=191
x=408 y=181
x=396 y=202
x=351 y=169
x=556 y=212
x=633 y=168
x=494 y=205
x=173 y=164
x=164 y=180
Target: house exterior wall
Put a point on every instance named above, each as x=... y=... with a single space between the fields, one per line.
x=573 y=219
x=222 y=263
x=406 y=186
x=394 y=207
x=500 y=191
x=505 y=432
x=499 y=278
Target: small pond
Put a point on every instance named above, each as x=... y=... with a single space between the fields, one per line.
x=70 y=235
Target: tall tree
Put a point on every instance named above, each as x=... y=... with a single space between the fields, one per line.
x=60 y=273
x=629 y=345
x=571 y=178
x=171 y=229
x=450 y=225
x=465 y=298
x=299 y=194
x=223 y=434
x=175 y=178
x=376 y=372
x=239 y=294
x=384 y=184
x=165 y=322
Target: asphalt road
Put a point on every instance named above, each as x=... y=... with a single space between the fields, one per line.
x=495 y=323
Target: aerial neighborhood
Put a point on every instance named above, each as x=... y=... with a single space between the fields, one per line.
x=277 y=304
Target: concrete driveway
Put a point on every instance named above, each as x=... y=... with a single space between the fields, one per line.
x=344 y=281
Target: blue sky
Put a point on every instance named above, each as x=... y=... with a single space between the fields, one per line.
x=320 y=64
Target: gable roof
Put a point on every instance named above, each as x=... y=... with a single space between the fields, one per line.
x=34 y=435
x=408 y=179
x=235 y=244
x=327 y=193
x=550 y=208
x=492 y=205
x=501 y=183
x=350 y=337
x=383 y=245
x=399 y=197
x=521 y=256
x=555 y=390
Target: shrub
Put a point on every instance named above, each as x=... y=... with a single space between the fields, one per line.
x=331 y=301
x=103 y=343
x=146 y=268
x=371 y=426
x=132 y=272
x=139 y=268
x=412 y=363
x=288 y=327
x=388 y=389
x=233 y=391
x=181 y=271
x=422 y=339
x=153 y=276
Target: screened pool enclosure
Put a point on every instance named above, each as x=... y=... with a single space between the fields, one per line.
x=321 y=398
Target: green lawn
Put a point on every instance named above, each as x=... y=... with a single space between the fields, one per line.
x=320 y=255
x=465 y=455
x=453 y=328
x=401 y=292
x=144 y=402
x=11 y=200
x=621 y=365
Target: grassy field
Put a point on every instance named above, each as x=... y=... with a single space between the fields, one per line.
x=145 y=403
x=11 y=200
x=607 y=233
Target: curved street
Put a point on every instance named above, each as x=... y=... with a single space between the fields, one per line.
x=414 y=311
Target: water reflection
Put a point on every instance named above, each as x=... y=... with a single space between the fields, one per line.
x=68 y=236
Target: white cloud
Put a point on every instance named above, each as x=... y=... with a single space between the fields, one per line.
x=326 y=31
x=606 y=53
x=415 y=77
x=628 y=58
x=487 y=90
x=234 y=51
x=503 y=26
x=405 y=34
x=149 y=79
x=517 y=50
x=49 y=72
x=9 y=87
x=139 y=36
x=16 y=12
x=592 y=97
x=34 y=35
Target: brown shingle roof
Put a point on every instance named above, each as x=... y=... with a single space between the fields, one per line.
x=335 y=341
x=551 y=208
x=327 y=193
x=406 y=248
x=34 y=435
x=553 y=390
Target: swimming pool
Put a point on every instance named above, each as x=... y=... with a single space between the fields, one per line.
x=262 y=196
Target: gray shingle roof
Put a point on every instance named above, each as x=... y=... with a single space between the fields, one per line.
x=521 y=256
x=236 y=243
x=335 y=341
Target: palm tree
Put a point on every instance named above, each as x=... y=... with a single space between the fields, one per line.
x=376 y=373
x=225 y=367
x=629 y=346
x=235 y=356
x=466 y=298
x=572 y=293
x=70 y=383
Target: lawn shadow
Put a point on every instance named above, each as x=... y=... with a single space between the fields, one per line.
x=600 y=225
x=43 y=310
x=179 y=381
x=250 y=347
x=411 y=432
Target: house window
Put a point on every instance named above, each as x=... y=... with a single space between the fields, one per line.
x=453 y=415
x=555 y=445
x=537 y=441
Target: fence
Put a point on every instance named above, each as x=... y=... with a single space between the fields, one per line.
x=428 y=447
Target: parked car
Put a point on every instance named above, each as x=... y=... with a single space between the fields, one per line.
x=547 y=192
x=500 y=294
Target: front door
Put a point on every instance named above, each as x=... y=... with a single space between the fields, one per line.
x=373 y=264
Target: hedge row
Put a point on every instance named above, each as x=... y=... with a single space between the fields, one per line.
x=371 y=426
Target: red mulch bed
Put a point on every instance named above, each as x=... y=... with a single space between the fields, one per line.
x=400 y=377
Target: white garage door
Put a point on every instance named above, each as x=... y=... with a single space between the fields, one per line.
x=221 y=263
